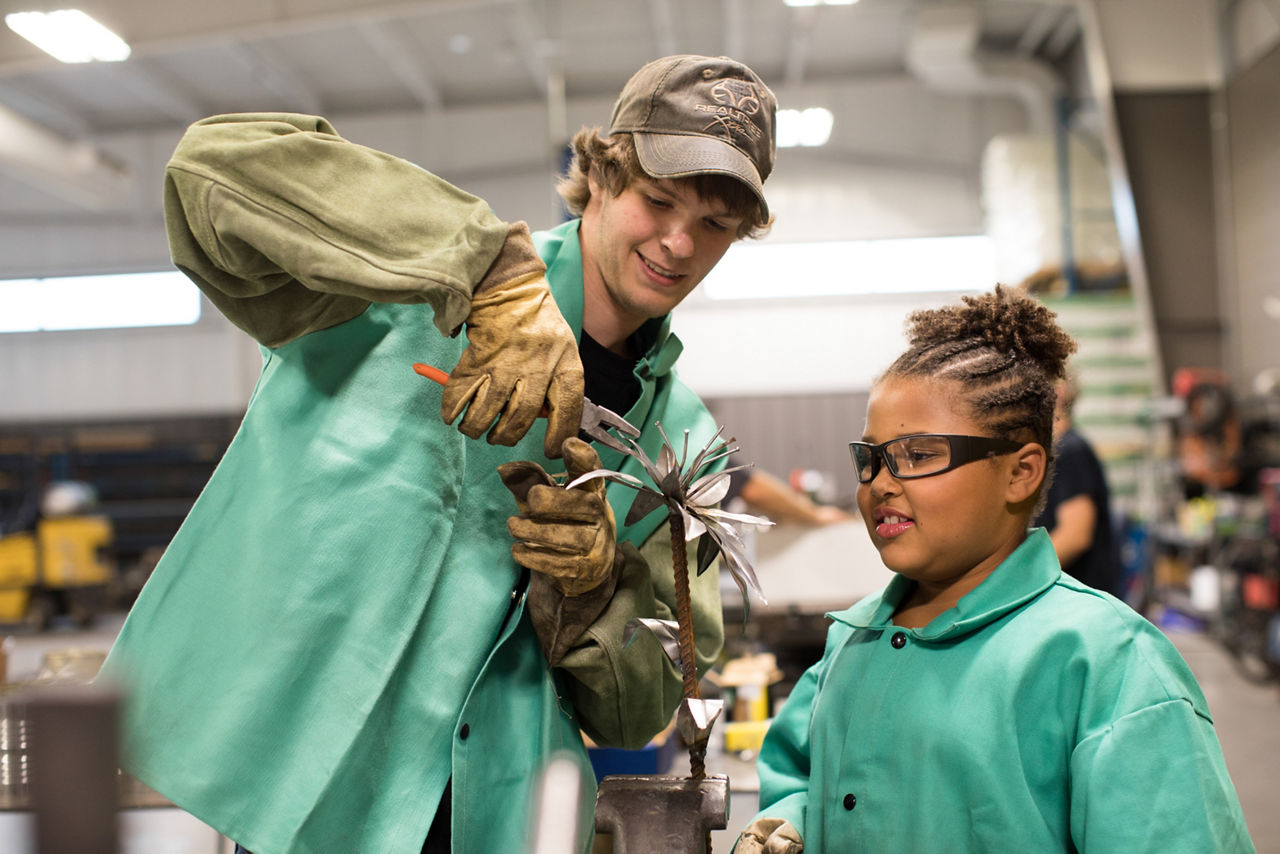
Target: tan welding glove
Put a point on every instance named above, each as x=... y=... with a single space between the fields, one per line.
x=769 y=836
x=566 y=534
x=521 y=353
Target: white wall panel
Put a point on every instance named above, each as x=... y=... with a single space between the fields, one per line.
x=207 y=368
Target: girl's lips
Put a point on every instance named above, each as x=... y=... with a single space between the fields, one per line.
x=890 y=524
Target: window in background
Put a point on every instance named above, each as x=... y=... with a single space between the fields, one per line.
x=853 y=268
x=98 y=302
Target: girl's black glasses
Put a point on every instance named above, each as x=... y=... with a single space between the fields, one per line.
x=925 y=454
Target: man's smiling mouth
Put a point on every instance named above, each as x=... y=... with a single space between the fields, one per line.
x=661 y=271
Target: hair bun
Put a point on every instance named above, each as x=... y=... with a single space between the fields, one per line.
x=1007 y=319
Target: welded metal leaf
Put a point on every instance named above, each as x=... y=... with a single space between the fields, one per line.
x=646 y=501
x=666 y=631
x=708 y=550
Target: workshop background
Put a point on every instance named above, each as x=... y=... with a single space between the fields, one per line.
x=1119 y=157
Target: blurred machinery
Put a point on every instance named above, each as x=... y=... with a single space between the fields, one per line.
x=60 y=564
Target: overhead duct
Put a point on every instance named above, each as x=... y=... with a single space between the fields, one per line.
x=943 y=51
x=73 y=170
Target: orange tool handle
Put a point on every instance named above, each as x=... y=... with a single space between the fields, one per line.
x=431 y=372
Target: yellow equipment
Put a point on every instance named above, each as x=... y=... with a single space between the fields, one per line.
x=63 y=566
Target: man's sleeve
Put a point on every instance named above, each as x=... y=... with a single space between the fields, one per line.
x=288 y=228
x=1156 y=781
x=624 y=695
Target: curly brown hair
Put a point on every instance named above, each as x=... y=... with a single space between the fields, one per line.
x=1003 y=350
x=616 y=165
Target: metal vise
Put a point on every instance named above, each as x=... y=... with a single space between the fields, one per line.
x=650 y=812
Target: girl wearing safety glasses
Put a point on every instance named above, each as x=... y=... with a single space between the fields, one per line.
x=984 y=701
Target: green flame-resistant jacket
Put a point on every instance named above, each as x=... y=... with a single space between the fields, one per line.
x=338 y=628
x=1036 y=715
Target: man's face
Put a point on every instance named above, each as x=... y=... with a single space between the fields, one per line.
x=646 y=249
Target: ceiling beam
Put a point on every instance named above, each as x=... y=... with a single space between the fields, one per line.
x=145 y=83
x=395 y=50
x=71 y=169
x=531 y=44
x=238 y=26
x=1041 y=25
x=802 y=21
x=43 y=109
x=1064 y=35
x=276 y=77
x=664 y=30
x=735 y=29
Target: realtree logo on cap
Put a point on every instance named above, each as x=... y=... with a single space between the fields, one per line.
x=738 y=102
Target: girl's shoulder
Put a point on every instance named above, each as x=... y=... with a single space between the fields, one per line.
x=1116 y=651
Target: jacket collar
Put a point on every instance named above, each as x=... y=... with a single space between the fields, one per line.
x=562 y=253
x=1031 y=569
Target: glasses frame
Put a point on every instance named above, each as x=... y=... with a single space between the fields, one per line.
x=964 y=450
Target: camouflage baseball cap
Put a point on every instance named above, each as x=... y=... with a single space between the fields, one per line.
x=693 y=115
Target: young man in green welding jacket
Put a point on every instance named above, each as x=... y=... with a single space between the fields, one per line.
x=338 y=651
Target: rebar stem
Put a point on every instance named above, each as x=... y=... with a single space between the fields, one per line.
x=684 y=621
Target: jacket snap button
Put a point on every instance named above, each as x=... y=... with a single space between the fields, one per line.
x=899 y=640
x=850 y=802
x=464 y=731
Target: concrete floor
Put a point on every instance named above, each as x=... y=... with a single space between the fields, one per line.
x=1247 y=718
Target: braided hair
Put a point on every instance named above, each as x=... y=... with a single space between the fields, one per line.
x=1003 y=350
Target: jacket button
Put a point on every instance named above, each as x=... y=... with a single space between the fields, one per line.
x=899 y=640
x=850 y=801
x=464 y=731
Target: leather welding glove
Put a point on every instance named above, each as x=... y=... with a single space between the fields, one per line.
x=521 y=352
x=566 y=534
x=769 y=836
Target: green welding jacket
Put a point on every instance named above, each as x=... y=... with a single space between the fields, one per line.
x=338 y=628
x=1036 y=715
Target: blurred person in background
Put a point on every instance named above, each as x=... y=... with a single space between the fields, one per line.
x=1077 y=510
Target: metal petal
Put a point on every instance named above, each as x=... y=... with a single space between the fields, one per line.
x=695 y=717
x=724 y=515
x=693 y=527
x=643 y=458
x=709 y=490
x=696 y=465
x=646 y=501
x=735 y=558
x=667 y=462
x=608 y=474
x=666 y=631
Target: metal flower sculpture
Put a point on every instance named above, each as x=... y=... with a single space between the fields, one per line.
x=692 y=512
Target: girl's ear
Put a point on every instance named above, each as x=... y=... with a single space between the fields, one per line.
x=1027 y=472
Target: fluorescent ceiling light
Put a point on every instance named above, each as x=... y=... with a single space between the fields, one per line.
x=853 y=268
x=69 y=35
x=811 y=127
x=98 y=302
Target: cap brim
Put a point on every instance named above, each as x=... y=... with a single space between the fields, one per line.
x=669 y=155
